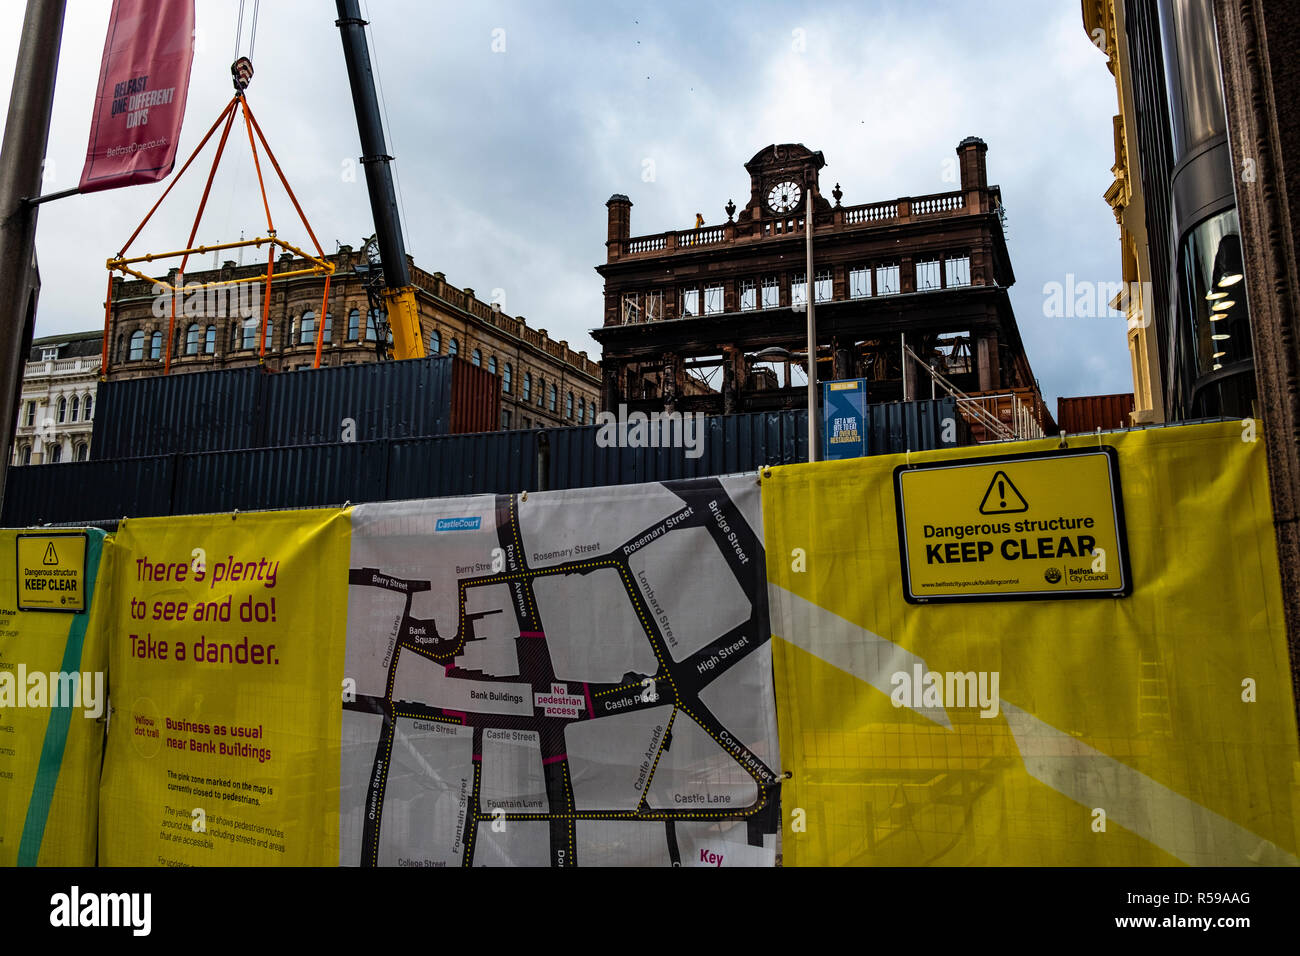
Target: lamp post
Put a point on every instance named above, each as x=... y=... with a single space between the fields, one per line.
x=811 y=286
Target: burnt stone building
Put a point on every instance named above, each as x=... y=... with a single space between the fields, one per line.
x=712 y=318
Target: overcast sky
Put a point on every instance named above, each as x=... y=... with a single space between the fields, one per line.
x=505 y=159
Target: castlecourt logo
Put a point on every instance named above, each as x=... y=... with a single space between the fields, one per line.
x=656 y=430
x=195 y=301
x=74 y=908
x=954 y=689
x=55 y=689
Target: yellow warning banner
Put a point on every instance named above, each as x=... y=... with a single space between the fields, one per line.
x=1150 y=730
x=227 y=662
x=53 y=700
x=52 y=571
x=1046 y=524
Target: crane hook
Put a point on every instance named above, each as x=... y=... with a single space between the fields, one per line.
x=241 y=73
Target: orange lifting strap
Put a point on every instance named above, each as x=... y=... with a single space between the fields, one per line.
x=319 y=265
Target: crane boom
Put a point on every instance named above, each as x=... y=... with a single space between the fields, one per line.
x=398 y=293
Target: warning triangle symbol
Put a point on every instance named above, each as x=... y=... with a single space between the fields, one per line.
x=1002 y=498
x=51 y=557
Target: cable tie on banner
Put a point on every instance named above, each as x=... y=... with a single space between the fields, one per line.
x=234 y=514
x=347 y=504
x=1098 y=436
x=523 y=496
x=1064 y=443
x=909 y=458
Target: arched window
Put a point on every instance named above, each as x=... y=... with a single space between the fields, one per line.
x=582 y=410
x=568 y=405
x=492 y=364
x=435 y=343
x=76 y=406
x=25 y=456
x=121 y=348
x=476 y=358
x=90 y=403
x=329 y=328
x=192 y=340
x=63 y=410
x=137 y=346
x=210 y=340
x=505 y=378
x=56 y=454
x=234 y=337
x=541 y=391
x=81 y=451
x=371 y=333
x=155 y=351
x=453 y=347
x=528 y=386
x=354 y=325
x=550 y=397
x=307 y=329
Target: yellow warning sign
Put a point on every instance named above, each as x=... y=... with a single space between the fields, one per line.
x=52 y=572
x=1041 y=525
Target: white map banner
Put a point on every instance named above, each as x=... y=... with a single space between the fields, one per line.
x=560 y=679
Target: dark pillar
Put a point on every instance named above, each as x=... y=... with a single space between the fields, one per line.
x=986 y=360
x=1258 y=47
x=610 y=393
x=843 y=359
x=26 y=133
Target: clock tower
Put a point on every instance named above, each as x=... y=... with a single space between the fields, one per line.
x=780 y=178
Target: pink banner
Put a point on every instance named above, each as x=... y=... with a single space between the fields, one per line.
x=140 y=104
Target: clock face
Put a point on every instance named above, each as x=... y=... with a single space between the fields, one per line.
x=371 y=250
x=784 y=197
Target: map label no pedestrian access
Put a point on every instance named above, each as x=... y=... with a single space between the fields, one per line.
x=1038 y=525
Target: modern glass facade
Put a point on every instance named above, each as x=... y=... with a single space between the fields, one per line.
x=1189 y=191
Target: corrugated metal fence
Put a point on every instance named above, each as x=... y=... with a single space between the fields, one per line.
x=395 y=468
x=248 y=408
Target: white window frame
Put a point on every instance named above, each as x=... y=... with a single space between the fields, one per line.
x=888 y=279
x=928 y=275
x=860 y=282
x=798 y=289
x=713 y=299
x=957 y=271
x=690 y=303
x=823 y=284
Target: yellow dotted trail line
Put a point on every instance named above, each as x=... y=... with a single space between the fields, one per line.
x=636 y=684
x=383 y=786
x=472 y=815
x=635 y=595
x=734 y=753
x=439 y=719
x=668 y=731
x=568 y=788
x=519 y=546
